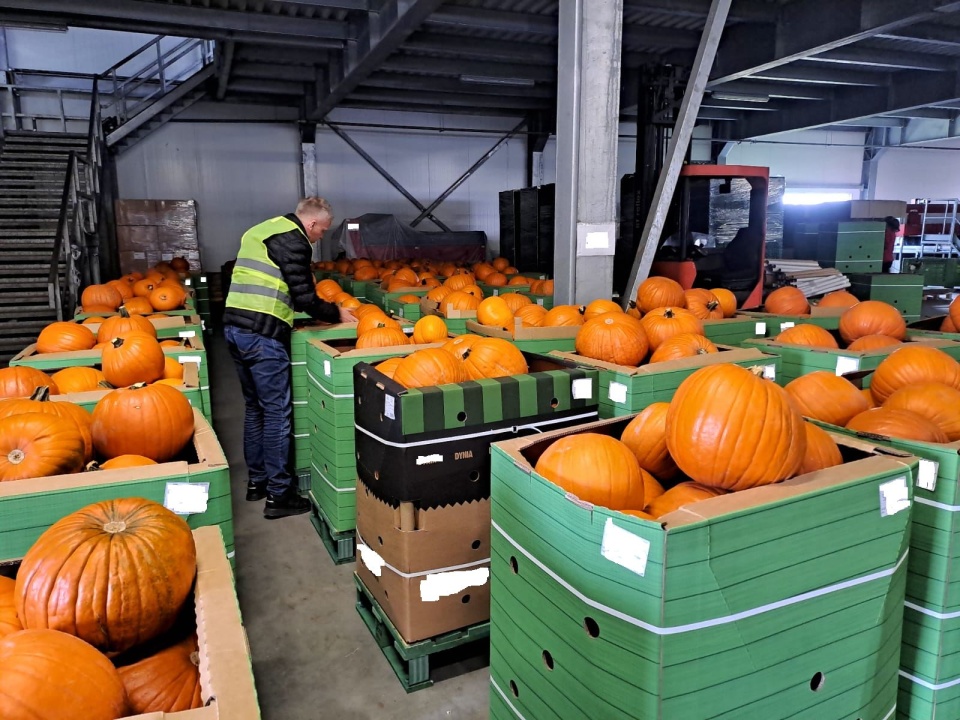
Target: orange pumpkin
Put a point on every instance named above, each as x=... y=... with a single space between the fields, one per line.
x=39 y=402
x=544 y=288
x=365 y=273
x=36 y=444
x=518 y=281
x=913 y=363
x=473 y=290
x=428 y=367
x=167 y=297
x=459 y=281
x=872 y=317
x=365 y=309
x=103 y=295
x=409 y=299
x=389 y=367
x=500 y=264
x=20 y=381
x=459 y=345
x=638 y=514
x=646 y=436
x=172 y=368
x=787 y=301
x=494 y=312
x=838 y=299
x=155 y=421
x=562 y=316
x=614 y=338
x=459 y=302
x=661 y=324
x=808 y=335
x=429 y=329
x=382 y=337
x=372 y=321
x=327 y=289
x=407 y=276
x=769 y=441
x=482 y=271
x=936 y=402
x=868 y=397
x=437 y=294
x=126 y=461
x=60 y=337
x=824 y=396
x=138 y=306
x=600 y=307
x=867 y=343
x=9 y=622
x=122 y=287
x=78 y=379
x=822 y=451
x=124 y=324
x=895 y=423
x=531 y=315
x=705 y=310
x=143 y=288
x=953 y=313
x=686 y=493
x=727 y=300
x=166 y=682
x=495 y=279
x=597 y=469
x=683 y=345
x=516 y=301
x=660 y=292
x=136 y=358
x=493 y=358
x=947 y=325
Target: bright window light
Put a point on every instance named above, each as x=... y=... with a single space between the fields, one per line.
x=815 y=197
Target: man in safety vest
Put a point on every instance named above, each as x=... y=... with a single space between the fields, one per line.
x=272 y=280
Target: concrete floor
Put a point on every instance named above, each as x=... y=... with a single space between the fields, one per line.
x=312 y=655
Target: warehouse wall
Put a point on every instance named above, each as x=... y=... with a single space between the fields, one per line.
x=239 y=174
x=79 y=50
x=905 y=174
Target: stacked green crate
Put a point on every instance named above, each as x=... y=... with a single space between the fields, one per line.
x=333 y=463
x=29 y=507
x=797 y=360
x=381 y=298
x=201 y=288
x=850 y=247
x=627 y=390
x=936 y=272
x=545 y=301
x=904 y=292
x=530 y=339
x=777 y=602
x=406 y=310
x=735 y=330
x=770 y=325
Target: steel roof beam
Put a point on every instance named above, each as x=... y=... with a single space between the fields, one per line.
x=359 y=5
x=429 y=66
x=465 y=17
x=281 y=56
x=743 y=10
x=939 y=35
x=810 y=27
x=920 y=132
x=780 y=91
x=898 y=60
x=482 y=49
x=405 y=107
x=441 y=85
x=264 y=71
x=816 y=74
x=453 y=99
x=266 y=87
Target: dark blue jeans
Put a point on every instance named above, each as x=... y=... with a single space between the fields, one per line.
x=264 y=368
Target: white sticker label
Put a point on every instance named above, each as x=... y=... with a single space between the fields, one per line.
x=186 y=498
x=617 y=392
x=400 y=311
x=188 y=333
x=785 y=325
x=624 y=548
x=847 y=364
x=429 y=459
x=390 y=406
x=203 y=278
x=583 y=389
x=597 y=241
x=927 y=475
x=187 y=282
x=894 y=497
x=353 y=226
x=327 y=368
x=540 y=302
x=770 y=372
x=189 y=359
x=408 y=330
x=371 y=559
x=760 y=328
x=439 y=585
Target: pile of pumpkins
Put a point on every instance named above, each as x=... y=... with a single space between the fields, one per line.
x=158 y=290
x=96 y=625
x=459 y=359
x=129 y=427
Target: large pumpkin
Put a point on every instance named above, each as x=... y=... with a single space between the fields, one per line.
x=661 y=324
x=947 y=325
x=437 y=294
x=516 y=301
x=327 y=289
x=115 y=574
x=646 y=436
x=47 y=675
x=531 y=315
x=431 y=366
x=429 y=329
x=389 y=366
x=868 y=343
x=838 y=299
x=913 y=363
x=493 y=358
x=809 y=335
x=895 y=423
x=824 y=396
x=123 y=287
x=704 y=304
x=371 y=321
x=683 y=345
x=494 y=312
x=872 y=317
x=172 y=368
x=65 y=337
x=78 y=379
x=597 y=469
x=9 y=622
x=658 y=292
x=729 y=428
x=35 y=445
x=727 y=300
x=124 y=324
x=21 y=381
x=126 y=461
x=600 y=307
x=166 y=682
x=136 y=358
x=787 y=301
x=679 y=496
x=614 y=338
x=459 y=301
x=544 y=288
x=937 y=402
x=143 y=288
x=138 y=306
x=954 y=315
x=155 y=421
x=562 y=316
x=40 y=402
x=382 y=337
x=460 y=281
x=101 y=295
x=459 y=345
x=822 y=451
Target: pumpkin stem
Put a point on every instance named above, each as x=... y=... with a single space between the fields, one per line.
x=115 y=527
x=138 y=386
x=195 y=659
x=16 y=456
x=92 y=466
x=123 y=311
x=669 y=313
x=41 y=394
x=117 y=342
x=713 y=305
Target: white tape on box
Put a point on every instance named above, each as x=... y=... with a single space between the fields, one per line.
x=617 y=393
x=440 y=585
x=188 y=333
x=189 y=359
x=371 y=559
x=786 y=325
x=624 y=548
x=894 y=496
x=327 y=368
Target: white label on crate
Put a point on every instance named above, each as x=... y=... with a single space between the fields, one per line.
x=390 y=406
x=429 y=459
x=203 y=324
x=139 y=256
x=189 y=359
x=894 y=496
x=770 y=372
x=785 y=325
x=760 y=328
x=203 y=278
x=540 y=302
x=187 y=282
x=371 y=559
x=186 y=498
x=327 y=369
x=188 y=333
x=441 y=585
x=400 y=311
x=583 y=389
x=927 y=475
x=617 y=392
x=847 y=364
x=624 y=548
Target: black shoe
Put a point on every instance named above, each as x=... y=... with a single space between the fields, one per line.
x=256 y=491
x=279 y=506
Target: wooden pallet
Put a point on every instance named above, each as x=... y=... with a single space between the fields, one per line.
x=342 y=546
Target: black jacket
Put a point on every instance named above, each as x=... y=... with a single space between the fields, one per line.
x=292 y=253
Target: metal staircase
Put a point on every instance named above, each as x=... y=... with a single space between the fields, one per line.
x=50 y=183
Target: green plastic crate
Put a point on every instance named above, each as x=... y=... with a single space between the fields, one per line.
x=903 y=291
x=734 y=331
x=530 y=339
x=772 y=325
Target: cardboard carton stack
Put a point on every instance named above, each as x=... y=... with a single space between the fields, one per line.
x=152 y=231
x=780 y=601
x=424 y=484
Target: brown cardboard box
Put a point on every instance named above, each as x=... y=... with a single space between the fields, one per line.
x=151 y=231
x=877 y=209
x=136 y=212
x=524 y=332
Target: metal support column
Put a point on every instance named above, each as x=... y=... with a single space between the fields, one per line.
x=588 y=117
x=872 y=151
x=679 y=143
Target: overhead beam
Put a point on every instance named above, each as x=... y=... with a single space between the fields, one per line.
x=895 y=60
x=452 y=99
x=874 y=122
x=226 y=66
x=281 y=55
x=265 y=71
x=743 y=10
x=481 y=49
x=814 y=74
x=466 y=17
x=266 y=87
x=403 y=107
x=929 y=34
x=410 y=63
x=384 y=32
x=427 y=85
x=781 y=91
x=923 y=131
x=811 y=27
x=361 y=5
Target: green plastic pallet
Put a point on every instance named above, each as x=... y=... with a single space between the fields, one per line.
x=341 y=546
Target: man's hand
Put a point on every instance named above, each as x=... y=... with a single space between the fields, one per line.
x=347 y=316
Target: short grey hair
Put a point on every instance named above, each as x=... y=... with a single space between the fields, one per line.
x=314 y=206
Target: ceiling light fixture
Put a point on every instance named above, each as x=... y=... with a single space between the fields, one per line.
x=486 y=80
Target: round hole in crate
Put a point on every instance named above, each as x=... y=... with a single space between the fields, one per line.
x=591 y=626
x=514 y=566
x=817 y=681
x=548 y=659
x=474 y=476
x=465 y=599
x=323 y=404
x=461 y=416
x=376 y=474
x=379 y=539
x=554 y=403
x=326 y=468
x=514 y=689
x=475 y=544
